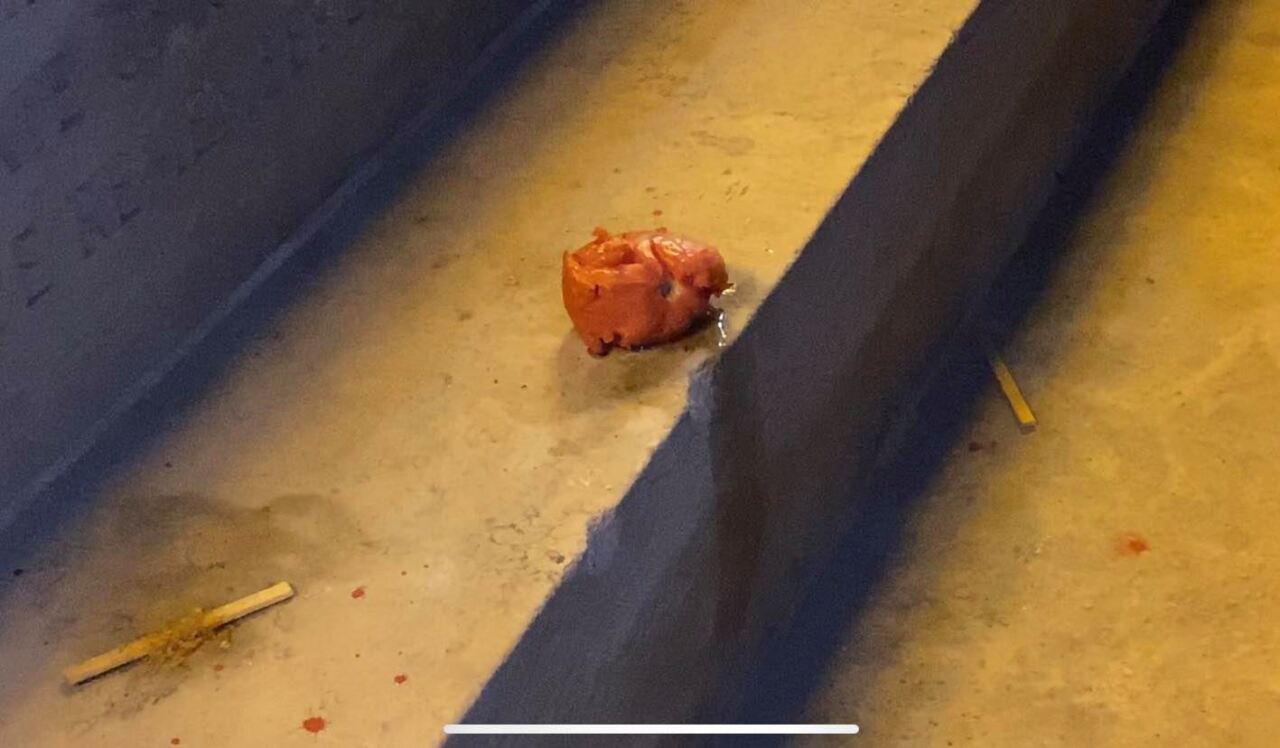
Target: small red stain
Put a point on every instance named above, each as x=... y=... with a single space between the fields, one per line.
x=313 y=724
x=401 y=678
x=357 y=593
x=218 y=668
x=1132 y=544
x=657 y=213
x=975 y=447
x=175 y=741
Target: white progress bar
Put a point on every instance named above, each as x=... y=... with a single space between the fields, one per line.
x=475 y=729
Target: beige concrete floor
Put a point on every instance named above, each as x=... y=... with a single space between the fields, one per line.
x=1023 y=609
x=420 y=424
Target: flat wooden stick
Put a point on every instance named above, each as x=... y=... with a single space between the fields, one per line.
x=1009 y=386
x=143 y=646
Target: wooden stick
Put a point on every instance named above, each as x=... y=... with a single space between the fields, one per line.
x=143 y=646
x=1009 y=386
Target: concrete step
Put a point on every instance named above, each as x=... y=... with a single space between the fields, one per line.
x=711 y=546
x=401 y=423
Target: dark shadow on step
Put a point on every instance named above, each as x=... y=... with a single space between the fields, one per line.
x=795 y=659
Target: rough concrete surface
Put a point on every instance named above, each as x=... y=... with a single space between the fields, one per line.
x=154 y=152
x=708 y=551
x=1110 y=579
x=410 y=416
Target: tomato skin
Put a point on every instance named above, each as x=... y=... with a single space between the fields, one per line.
x=640 y=288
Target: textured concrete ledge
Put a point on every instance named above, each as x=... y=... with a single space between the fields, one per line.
x=402 y=410
x=710 y=546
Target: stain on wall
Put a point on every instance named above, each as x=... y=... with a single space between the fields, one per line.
x=152 y=152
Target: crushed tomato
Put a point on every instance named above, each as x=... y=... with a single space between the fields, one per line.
x=639 y=288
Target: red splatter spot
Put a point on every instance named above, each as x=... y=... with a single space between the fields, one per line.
x=975 y=447
x=218 y=668
x=357 y=593
x=313 y=724
x=401 y=678
x=657 y=213
x=1132 y=544
x=175 y=741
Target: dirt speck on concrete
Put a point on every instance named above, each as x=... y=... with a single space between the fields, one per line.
x=1132 y=544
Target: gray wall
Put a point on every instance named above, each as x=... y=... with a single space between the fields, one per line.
x=152 y=152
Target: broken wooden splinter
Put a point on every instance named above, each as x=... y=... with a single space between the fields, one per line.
x=1009 y=386
x=151 y=643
